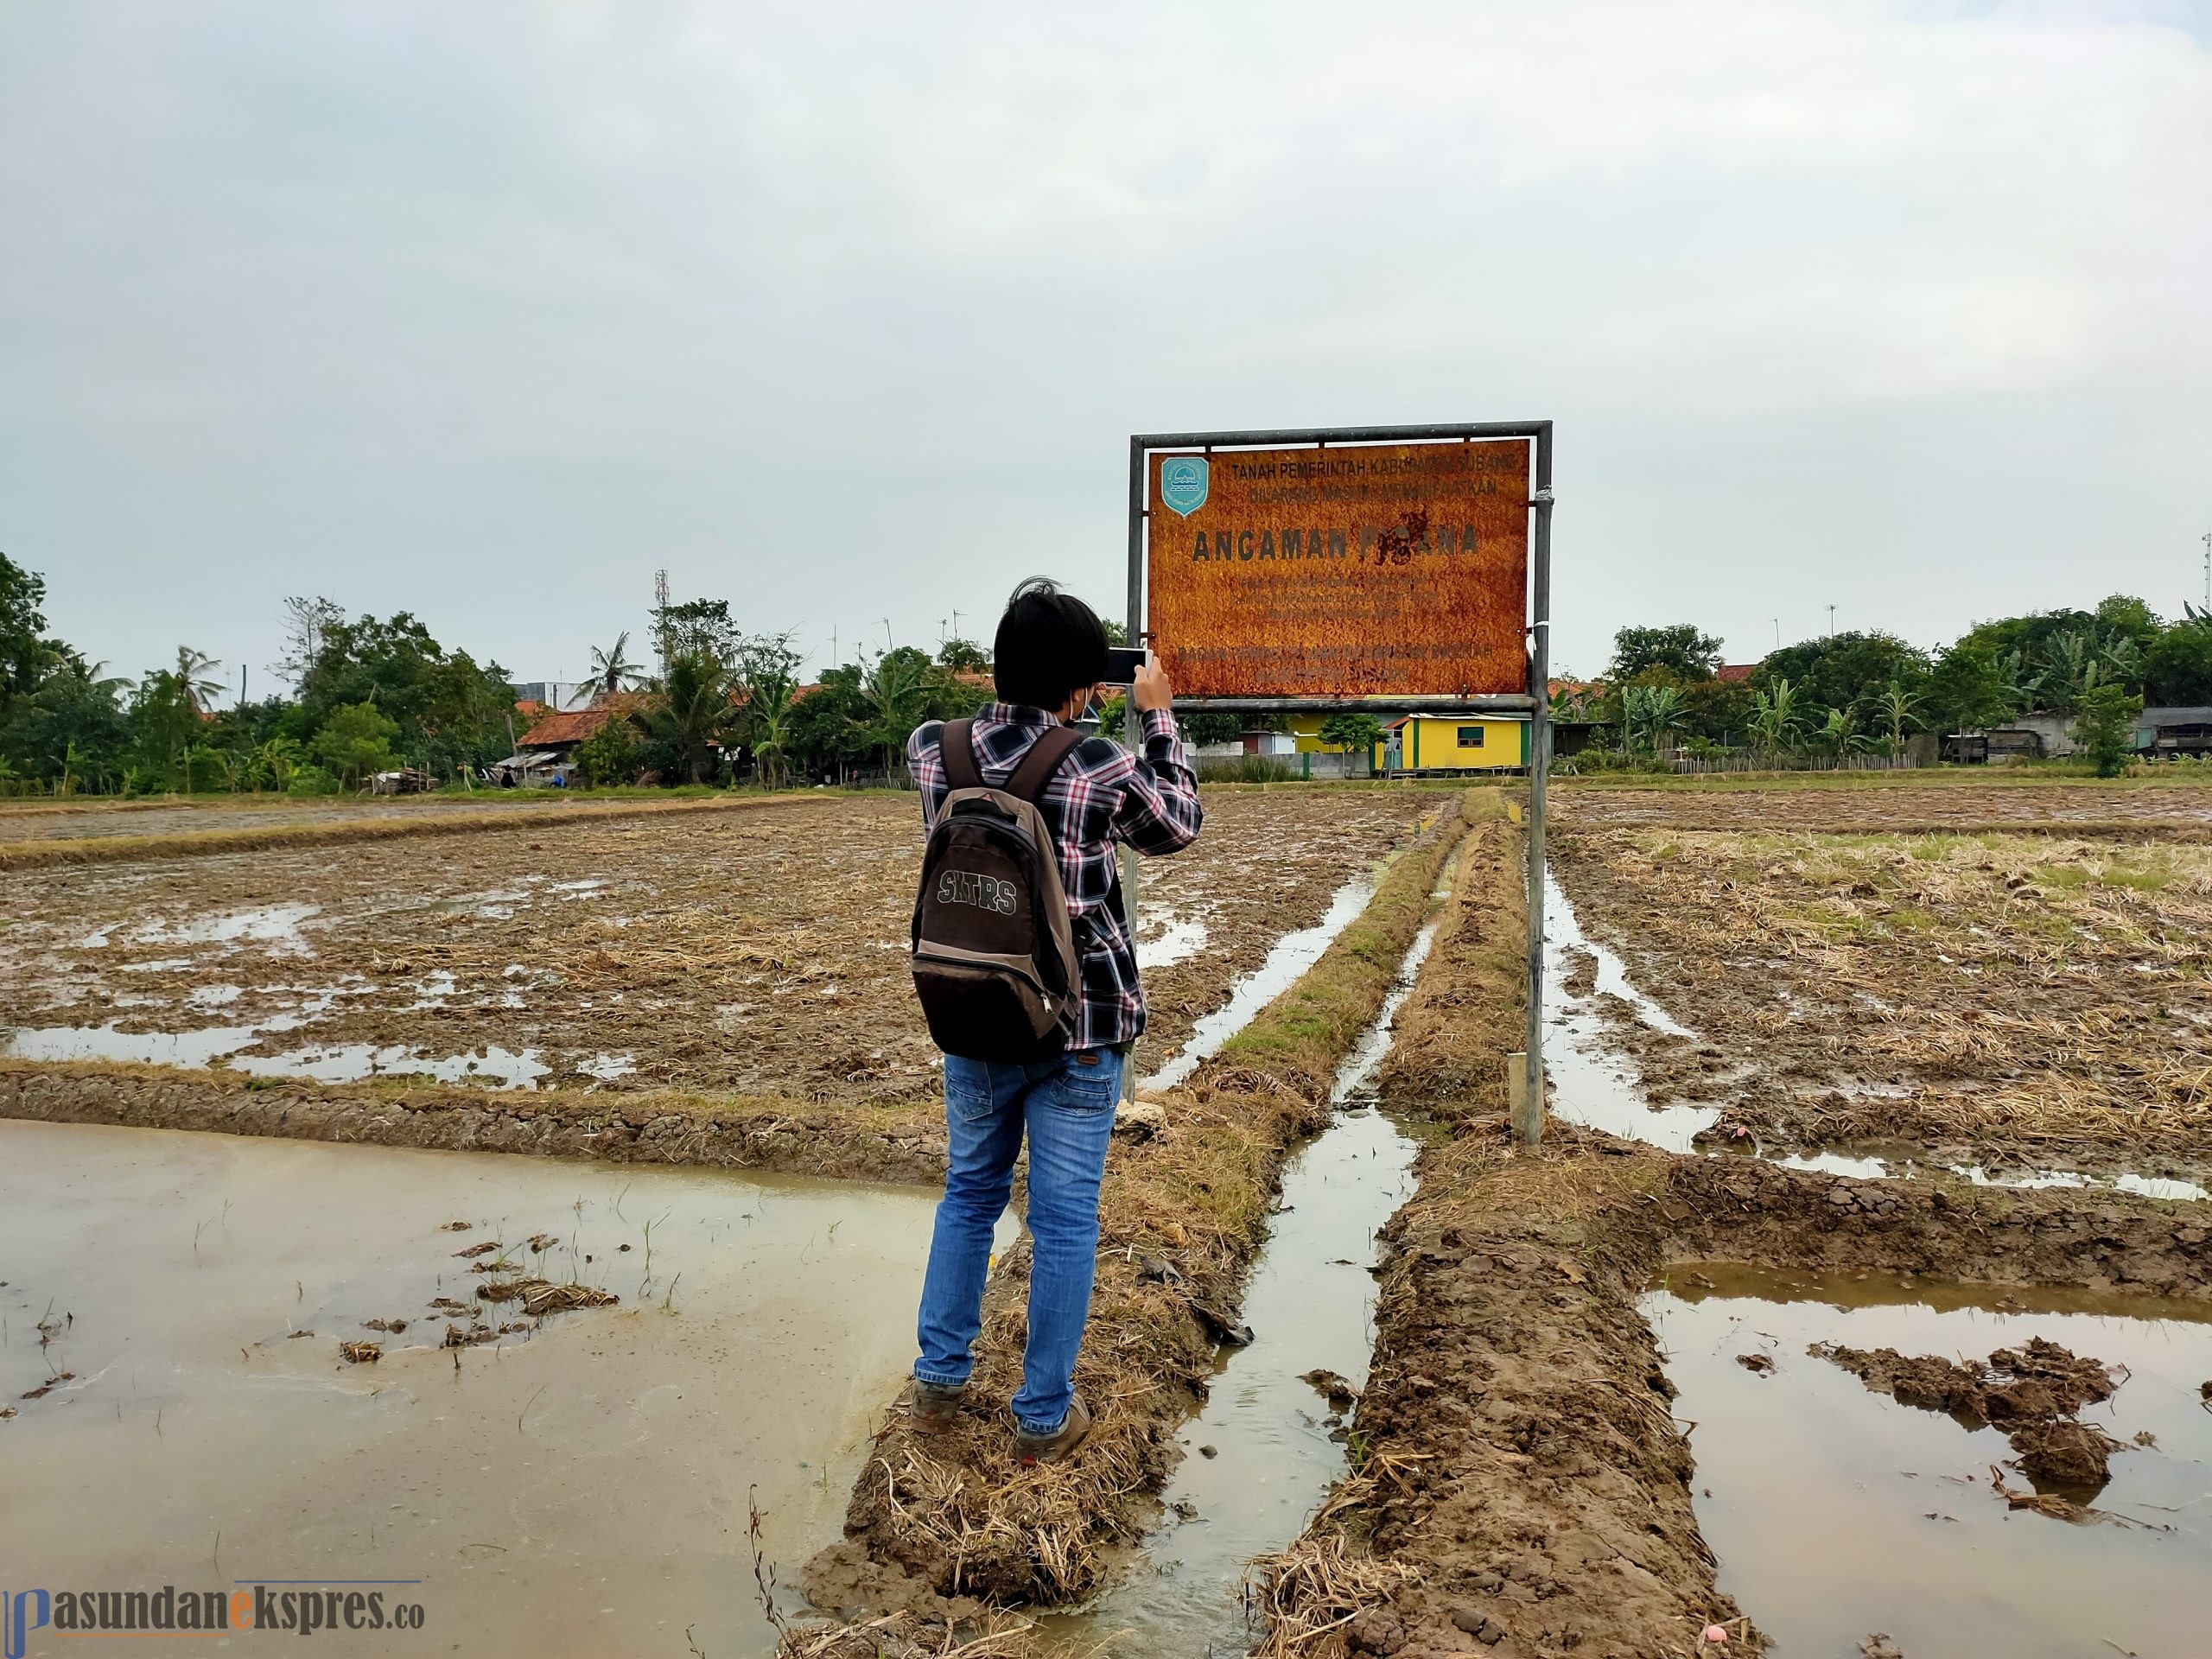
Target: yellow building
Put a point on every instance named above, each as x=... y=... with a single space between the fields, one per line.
x=1431 y=742
x=1453 y=743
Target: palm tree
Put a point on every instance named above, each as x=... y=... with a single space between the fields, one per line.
x=613 y=670
x=767 y=718
x=193 y=685
x=892 y=688
x=693 y=711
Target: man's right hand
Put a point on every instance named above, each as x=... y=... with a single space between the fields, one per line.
x=1151 y=690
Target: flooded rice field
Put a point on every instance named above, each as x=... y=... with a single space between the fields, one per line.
x=2009 y=1001
x=707 y=950
x=1849 y=1520
x=1602 y=1024
x=177 y=1408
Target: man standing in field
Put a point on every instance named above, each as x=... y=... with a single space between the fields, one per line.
x=1050 y=657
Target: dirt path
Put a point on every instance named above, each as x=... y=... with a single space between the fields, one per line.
x=759 y=952
x=1183 y=1214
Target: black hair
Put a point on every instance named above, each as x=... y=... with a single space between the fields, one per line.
x=1048 y=643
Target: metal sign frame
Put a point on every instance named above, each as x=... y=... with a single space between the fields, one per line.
x=1534 y=703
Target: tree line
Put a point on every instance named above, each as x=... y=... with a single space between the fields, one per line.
x=1870 y=692
x=360 y=694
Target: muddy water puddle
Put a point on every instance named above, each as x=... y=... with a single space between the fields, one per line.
x=1261 y=1455
x=1838 y=1512
x=1286 y=961
x=1589 y=1074
x=576 y=1486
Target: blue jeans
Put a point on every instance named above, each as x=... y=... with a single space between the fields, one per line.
x=1066 y=1105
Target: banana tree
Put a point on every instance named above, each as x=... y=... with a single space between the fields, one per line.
x=1652 y=715
x=1898 y=708
x=1777 y=721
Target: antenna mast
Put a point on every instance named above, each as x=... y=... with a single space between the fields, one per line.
x=660 y=619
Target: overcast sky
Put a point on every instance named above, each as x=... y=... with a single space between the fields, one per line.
x=846 y=312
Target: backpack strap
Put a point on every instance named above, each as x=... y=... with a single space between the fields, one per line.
x=1043 y=759
x=956 y=748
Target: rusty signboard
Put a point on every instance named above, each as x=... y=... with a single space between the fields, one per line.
x=1361 y=571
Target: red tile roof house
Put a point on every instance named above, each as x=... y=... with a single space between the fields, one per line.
x=547 y=751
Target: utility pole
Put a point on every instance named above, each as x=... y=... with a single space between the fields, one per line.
x=887 y=634
x=1778 y=633
x=1831 y=621
x=2207 y=570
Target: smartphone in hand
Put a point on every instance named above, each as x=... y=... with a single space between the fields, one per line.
x=1122 y=663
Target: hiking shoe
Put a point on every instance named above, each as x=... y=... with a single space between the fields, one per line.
x=935 y=1407
x=1030 y=1448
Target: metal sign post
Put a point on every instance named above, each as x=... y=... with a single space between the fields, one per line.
x=1398 y=568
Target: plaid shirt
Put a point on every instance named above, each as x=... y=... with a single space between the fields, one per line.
x=1101 y=794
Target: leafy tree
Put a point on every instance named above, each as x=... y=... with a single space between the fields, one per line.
x=1204 y=726
x=356 y=740
x=1848 y=670
x=1969 y=689
x=697 y=627
x=613 y=755
x=446 y=709
x=1716 y=710
x=26 y=655
x=2106 y=727
x=1681 y=647
x=1348 y=733
x=963 y=656
x=2177 y=667
x=163 y=723
x=72 y=727
x=827 y=727
x=2124 y=616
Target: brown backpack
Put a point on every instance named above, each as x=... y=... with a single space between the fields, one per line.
x=993 y=951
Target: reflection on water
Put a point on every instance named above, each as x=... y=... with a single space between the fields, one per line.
x=1587 y=1071
x=1836 y=1512
x=580 y=1491
x=1292 y=956
x=1273 y=1442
